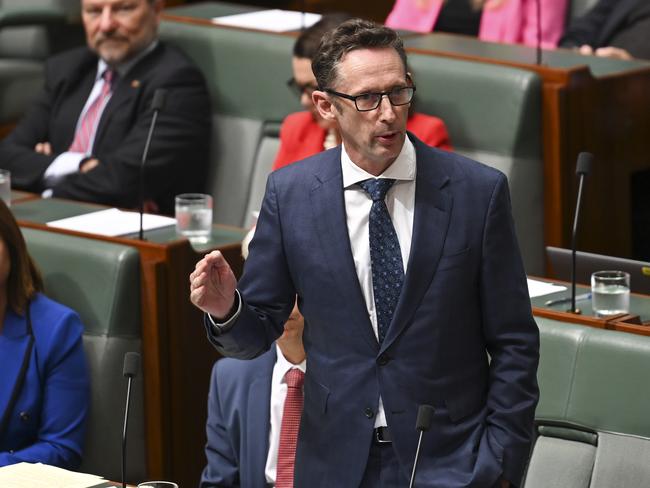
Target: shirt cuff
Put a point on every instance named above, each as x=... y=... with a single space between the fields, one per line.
x=219 y=328
x=64 y=164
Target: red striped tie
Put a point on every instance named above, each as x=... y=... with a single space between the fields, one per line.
x=89 y=121
x=289 y=429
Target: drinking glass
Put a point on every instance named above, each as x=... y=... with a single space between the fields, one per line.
x=610 y=292
x=193 y=213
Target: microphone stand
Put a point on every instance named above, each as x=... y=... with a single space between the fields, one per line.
x=582 y=169
x=423 y=424
x=131 y=365
x=156 y=105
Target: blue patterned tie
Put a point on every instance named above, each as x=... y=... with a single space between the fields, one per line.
x=385 y=254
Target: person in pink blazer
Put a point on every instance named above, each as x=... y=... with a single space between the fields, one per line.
x=507 y=21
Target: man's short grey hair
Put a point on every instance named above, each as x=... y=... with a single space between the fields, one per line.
x=349 y=36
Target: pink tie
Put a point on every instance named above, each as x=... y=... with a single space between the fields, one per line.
x=289 y=429
x=89 y=121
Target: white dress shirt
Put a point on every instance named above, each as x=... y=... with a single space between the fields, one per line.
x=400 y=201
x=278 y=395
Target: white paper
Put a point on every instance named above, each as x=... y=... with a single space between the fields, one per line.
x=26 y=475
x=540 y=288
x=112 y=222
x=270 y=20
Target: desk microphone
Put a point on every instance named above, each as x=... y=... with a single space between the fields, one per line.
x=423 y=423
x=583 y=167
x=130 y=371
x=157 y=105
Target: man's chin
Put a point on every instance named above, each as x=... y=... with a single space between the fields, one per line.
x=112 y=56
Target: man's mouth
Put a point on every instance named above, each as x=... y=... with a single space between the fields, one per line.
x=387 y=137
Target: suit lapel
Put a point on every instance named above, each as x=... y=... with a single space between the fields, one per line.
x=259 y=419
x=77 y=93
x=13 y=346
x=433 y=206
x=328 y=207
x=127 y=89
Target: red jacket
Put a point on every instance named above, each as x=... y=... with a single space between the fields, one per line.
x=301 y=136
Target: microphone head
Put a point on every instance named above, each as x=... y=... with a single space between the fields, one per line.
x=583 y=166
x=131 y=364
x=159 y=97
x=425 y=416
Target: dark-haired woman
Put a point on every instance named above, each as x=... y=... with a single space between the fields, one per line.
x=44 y=392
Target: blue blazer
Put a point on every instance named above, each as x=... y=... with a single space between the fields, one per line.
x=47 y=424
x=238 y=422
x=464 y=298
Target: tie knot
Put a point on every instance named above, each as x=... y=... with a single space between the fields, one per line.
x=376 y=187
x=294 y=378
x=108 y=76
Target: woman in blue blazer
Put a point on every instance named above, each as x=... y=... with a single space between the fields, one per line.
x=44 y=388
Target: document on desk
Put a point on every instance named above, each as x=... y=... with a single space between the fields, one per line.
x=112 y=222
x=26 y=475
x=275 y=20
x=538 y=288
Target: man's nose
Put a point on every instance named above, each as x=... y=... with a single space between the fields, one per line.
x=386 y=109
x=107 y=20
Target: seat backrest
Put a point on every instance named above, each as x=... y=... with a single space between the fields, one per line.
x=593 y=410
x=20 y=82
x=101 y=281
x=246 y=74
x=493 y=114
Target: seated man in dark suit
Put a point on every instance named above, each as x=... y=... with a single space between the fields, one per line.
x=612 y=28
x=84 y=137
x=246 y=423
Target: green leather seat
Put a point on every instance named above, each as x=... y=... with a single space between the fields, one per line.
x=29 y=33
x=101 y=281
x=592 y=417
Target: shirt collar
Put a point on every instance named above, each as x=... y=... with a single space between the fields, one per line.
x=403 y=168
x=282 y=366
x=124 y=68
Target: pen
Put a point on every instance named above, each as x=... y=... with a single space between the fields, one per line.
x=558 y=301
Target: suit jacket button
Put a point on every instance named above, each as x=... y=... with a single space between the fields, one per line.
x=369 y=412
x=24 y=416
x=383 y=359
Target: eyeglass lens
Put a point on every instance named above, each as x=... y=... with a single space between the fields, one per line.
x=397 y=96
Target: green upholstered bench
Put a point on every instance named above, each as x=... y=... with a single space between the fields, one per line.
x=101 y=281
x=29 y=33
x=246 y=74
x=594 y=411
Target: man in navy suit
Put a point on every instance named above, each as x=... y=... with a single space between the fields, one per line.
x=60 y=150
x=245 y=407
x=411 y=297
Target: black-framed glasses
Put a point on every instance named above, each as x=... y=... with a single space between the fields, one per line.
x=299 y=89
x=371 y=101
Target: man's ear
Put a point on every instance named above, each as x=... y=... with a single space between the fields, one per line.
x=324 y=105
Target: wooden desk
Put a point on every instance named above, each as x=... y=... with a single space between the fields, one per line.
x=177 y=358
x=589 y=104
x=636 y=322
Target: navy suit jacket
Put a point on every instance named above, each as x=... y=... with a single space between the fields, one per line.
x=48 y=423
x=238 y=422
x=464 y=297
x=178 y=155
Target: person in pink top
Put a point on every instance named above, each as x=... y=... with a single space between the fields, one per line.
x=507 y=21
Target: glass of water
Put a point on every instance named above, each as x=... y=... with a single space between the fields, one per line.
x=610 y=292
x=5 y=186
x=193 y=213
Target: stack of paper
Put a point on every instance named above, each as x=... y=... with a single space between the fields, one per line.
x=270 y=20
x=538 y=288
x=112 y=222
x=25 y=475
